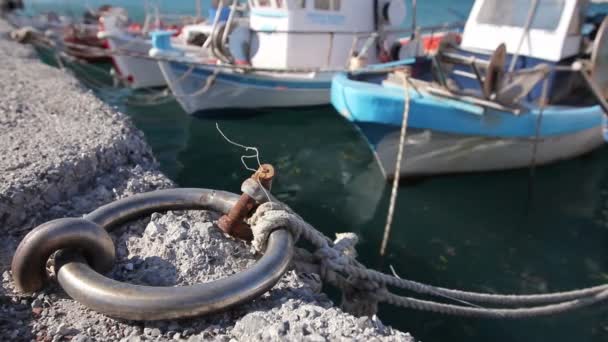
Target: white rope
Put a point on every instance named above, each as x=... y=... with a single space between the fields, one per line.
x=255 y=155
x=336 y=264
x=395 y=190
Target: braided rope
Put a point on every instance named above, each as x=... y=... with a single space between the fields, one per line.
x=336 y=264
x=516 y=313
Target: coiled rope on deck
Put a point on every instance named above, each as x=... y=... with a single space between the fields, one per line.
x=336 y=264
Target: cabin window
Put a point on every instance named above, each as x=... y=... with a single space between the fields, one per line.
x=322 y=5
x=327 y=5
x=515 y=13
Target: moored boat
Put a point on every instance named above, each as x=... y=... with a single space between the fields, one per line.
x=537 y=98
x=76 y=37
x=283 y=56
x=130 y=43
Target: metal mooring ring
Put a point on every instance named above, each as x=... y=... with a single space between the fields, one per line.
x=136 y=302
x=29 y=262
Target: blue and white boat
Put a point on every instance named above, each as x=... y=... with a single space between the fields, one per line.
x=537 y=98
x=285 y=55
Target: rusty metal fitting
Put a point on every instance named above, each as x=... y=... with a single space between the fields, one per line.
x=265 y=175
x=233 y=223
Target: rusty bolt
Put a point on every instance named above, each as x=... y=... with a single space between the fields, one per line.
x=265 y=174
x=233 y=223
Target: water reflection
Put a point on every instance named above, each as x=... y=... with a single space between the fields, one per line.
x=484 y=232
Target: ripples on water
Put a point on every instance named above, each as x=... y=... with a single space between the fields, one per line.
x=479 y=232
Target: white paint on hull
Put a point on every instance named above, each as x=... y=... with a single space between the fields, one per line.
x=144 y=73
x=430 y=153
x=228 y=94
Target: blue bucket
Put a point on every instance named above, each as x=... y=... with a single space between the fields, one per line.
x=161 y=40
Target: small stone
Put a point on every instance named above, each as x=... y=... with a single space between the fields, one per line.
x=63 y=330
x=177 y=336
x=315 y=338
x=131 y=339
x=129 y=267
x=154 y=332
x=177 y=235
x=37 y=303
x=363 y=322
x=80 y=338
x=154 y=229
x=283 y=328
x=250 y=324
x=36 y=312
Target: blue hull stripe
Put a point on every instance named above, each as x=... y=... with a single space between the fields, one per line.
x=369 y=102
x=254 y=81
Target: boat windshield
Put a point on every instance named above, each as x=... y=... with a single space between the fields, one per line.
x=515 y=13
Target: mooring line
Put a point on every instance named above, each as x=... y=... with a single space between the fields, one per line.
x=441 y=294
x=395 y=189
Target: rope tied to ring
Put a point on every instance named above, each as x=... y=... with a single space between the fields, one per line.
x=362 y=288
x=357 y=294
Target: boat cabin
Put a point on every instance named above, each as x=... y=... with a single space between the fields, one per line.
x=549 y=30
x=315 y=33
x=509 y=48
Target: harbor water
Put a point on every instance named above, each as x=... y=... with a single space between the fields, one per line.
x=523 y=231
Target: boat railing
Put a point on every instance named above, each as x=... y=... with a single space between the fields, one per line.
x=452 y=26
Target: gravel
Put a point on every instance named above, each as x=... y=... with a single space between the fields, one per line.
x=64 y=153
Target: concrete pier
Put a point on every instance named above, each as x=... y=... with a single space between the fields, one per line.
x=63 y=153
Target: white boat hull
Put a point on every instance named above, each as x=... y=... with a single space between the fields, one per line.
x=240 y=90
x=430 y=153
x=137 y=72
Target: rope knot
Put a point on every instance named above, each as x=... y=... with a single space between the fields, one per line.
x=269 y=217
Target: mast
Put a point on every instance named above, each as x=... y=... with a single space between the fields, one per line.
x=414 y=6
x=199 y=9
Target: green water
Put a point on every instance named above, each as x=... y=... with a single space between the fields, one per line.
x=479 y=232
x=496 y=232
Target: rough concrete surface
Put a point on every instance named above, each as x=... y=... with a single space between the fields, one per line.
x=63 y=152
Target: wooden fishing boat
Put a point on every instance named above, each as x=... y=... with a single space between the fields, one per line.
x=130 y=42
x=77 y=37
x=527 y=86
x=284 y=55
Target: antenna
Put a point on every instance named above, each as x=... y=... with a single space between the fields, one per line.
x=414 y=7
